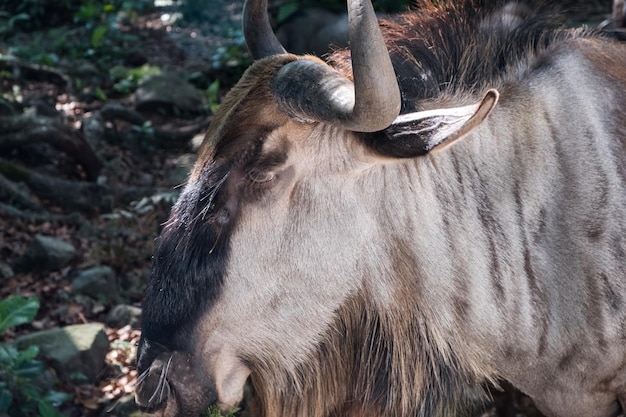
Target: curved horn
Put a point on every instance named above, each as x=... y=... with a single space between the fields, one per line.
x=312 y=90
x=258 y=32
x=377 y=95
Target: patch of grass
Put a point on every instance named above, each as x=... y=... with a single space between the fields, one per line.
x=214 y=411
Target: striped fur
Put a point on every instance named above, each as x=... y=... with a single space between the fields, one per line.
x=343 y=278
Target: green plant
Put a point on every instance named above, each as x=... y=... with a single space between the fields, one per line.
x=213 y=96
x=20 y=392
x=127 y=80
x=233 y=55
x=145 y=136
x=98 y=19
x=214 y=411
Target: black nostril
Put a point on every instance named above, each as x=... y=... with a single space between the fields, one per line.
x=153 y=388
x=152 y=396
x=171 y=384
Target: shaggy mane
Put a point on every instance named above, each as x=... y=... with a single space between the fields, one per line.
x=370 y=363
x=466 y=46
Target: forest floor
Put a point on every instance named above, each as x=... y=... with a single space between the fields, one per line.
x=139 y=158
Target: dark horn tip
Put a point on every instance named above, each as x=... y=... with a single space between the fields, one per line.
x=257 y=31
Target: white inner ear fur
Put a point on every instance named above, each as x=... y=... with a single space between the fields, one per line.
x=447 y=125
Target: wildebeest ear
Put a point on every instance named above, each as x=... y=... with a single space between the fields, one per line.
x=419 y=133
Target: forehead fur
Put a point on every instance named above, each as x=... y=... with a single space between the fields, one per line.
x=247 y=110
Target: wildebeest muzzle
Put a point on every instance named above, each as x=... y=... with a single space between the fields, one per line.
x=170 y=383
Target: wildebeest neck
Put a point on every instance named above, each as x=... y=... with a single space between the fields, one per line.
x=364 y=366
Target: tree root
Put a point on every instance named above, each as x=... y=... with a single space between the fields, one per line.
x=29 y=128
x=170 y=139
x=15 y=195
x=86 y=197
x=25 y=70
x=74 y=219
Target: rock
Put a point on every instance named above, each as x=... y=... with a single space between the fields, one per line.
x=134 y=282
x=183 y=164
x=45 y=253
x=5 y=271
x=87 y=72
x=73 y=349
x=122 y=315
x=94 y=130
x=86 y=69
x=169 y=90
x=96 y=282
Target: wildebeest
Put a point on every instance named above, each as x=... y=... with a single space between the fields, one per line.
x=440 y=207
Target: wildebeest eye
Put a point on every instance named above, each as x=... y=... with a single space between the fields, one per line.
x=259 y=176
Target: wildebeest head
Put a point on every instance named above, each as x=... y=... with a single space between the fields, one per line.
x=265 y=267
